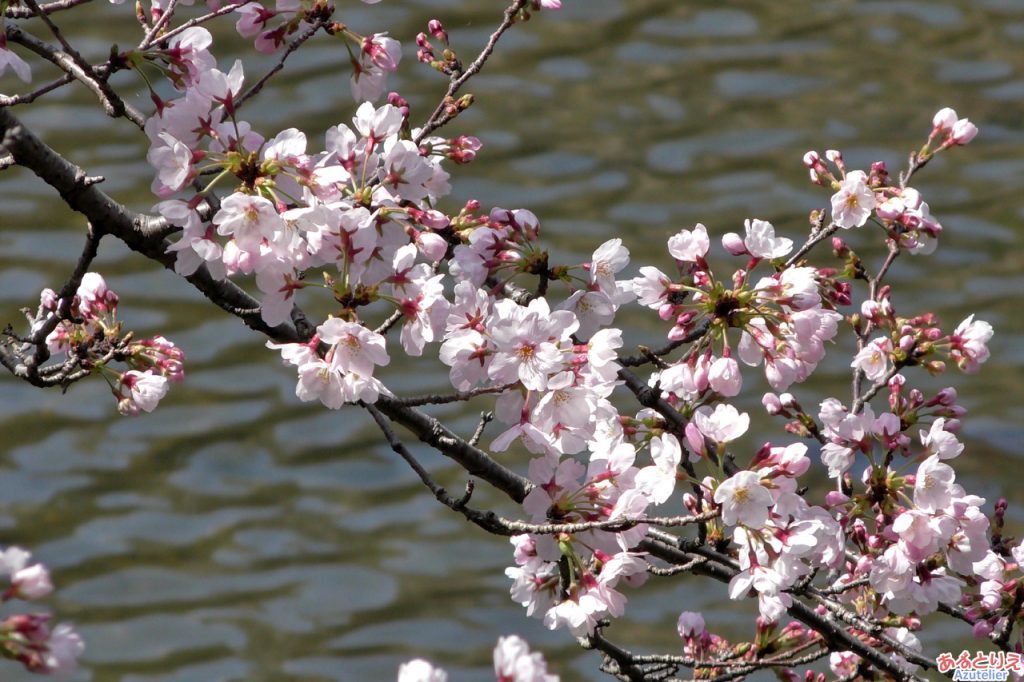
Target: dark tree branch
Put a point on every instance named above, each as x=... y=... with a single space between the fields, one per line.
x=142 y=233
x=72 y=63
x=20 y=12
x=645 y=358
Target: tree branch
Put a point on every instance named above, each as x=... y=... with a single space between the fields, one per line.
x=439 y=117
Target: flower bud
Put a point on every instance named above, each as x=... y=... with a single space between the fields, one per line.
x=944 y=119
x=436 y=29
x=834 y=498
x=963 y=132
x=733 y=244
x=981 y=629
x=48 y=299
x=32 y=582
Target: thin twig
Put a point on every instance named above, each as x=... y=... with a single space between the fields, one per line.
x=226 y=9
x=160 y=23
x=818 y=235
x=644 y=358
x=439 y=116
x=458 y=396
x=71 y=63
x=28 y=97
x=485 y=419
x=292 y=46
x=19 y=12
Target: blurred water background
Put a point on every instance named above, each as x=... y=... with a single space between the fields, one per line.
x=238 y=534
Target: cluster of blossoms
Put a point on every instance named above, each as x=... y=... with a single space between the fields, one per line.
x=86 y=330
x=513 y=662
x=362 y=210
x=27 y=637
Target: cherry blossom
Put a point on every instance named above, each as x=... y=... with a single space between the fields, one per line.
x=28 y=581
x=689 y=245
x=940 y=442
x=145 y=391
x=419 y=670
x=853 y=203
x=744 y=500
x=970 y=343
x=723 y=424
x=761 y=241
x=513 y=662
x=873 y=359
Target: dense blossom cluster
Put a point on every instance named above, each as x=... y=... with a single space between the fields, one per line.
x=357 y=218
x=28 y=637
x=87 y=330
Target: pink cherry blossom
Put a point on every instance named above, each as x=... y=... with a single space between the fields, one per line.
x=355 y=348
x=689 y=245
x=933 y=489
x=28 y=581
x=690 y=624
x=608 y=259
x=873 y=360
x=963 y=132
x=658 y=481
x=761 y=241
x=940 y=442
x=970 y=344
x=145 y=390
x=63 y=650
x=744 y=500
x=853 y=203
x=513 y=662
x=944 y=119
x=248 y=219
x=723 y=424
x=724 y=377
x=419 y=670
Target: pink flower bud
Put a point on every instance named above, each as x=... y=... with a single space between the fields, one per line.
x=963 y=132
x=981 y=629
x=432 y=245
x=733 y=243
x=32 y=582
x=811 y=159
x=48 y=299
x=695 y=439
x=834 y=498
x=771 y=403
x=724 y=377
x=436 y=29
x=944 y=119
